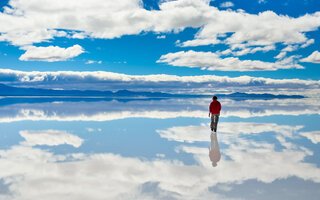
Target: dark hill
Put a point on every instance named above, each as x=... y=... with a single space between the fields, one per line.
x=9 y=91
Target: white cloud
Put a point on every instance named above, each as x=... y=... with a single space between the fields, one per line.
x=78 y=35
x=313 y=58
x=281 y=55
x=203 y=84
x=50 y=138
x=247 y=50
x=198 y=42
x=26 y=22
x=290 y=48
x=161 y=36
x=308 y=43
x=50 y=53
x=27 y=37
x=93 y=61
x=262 y=1
x=212 y=61
x=34 y=21
x=226 y=4
x=284 y=51
x=314 y=136
x=250 y=30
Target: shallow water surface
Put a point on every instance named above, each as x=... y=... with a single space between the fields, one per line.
x=158 y=149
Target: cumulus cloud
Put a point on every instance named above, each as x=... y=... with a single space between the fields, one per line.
x=212 y=61
x=308 y=43
x=290 y=48
x=314 y=136
x=50 y=53
x=226 y=4
x=26 y=37
x=32 y=21
x=313 y=58
x=203 y=84
x=281 y=55
x=248 y=50
x=284 y=51
x=250 y=30
x=25 y=22
x=50 y=138
x=77 y=35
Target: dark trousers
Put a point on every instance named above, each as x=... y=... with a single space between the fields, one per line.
x=214 y=122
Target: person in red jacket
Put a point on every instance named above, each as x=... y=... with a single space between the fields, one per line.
x=214 y=111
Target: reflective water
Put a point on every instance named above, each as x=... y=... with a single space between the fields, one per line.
x=158 y=149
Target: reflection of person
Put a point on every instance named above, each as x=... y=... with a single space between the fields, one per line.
x=214 y=152
x=214 y=110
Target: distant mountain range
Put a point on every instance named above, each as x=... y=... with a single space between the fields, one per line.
x=8 y=91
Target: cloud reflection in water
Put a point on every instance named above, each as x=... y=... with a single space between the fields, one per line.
x=101 y=110
x=260 y=151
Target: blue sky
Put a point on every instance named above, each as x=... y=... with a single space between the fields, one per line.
x=254 y=38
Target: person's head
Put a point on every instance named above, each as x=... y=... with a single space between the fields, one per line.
x=214 y=98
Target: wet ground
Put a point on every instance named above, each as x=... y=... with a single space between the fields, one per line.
x=158 y=149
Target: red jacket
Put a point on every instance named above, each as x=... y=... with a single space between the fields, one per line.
x=215 y=107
